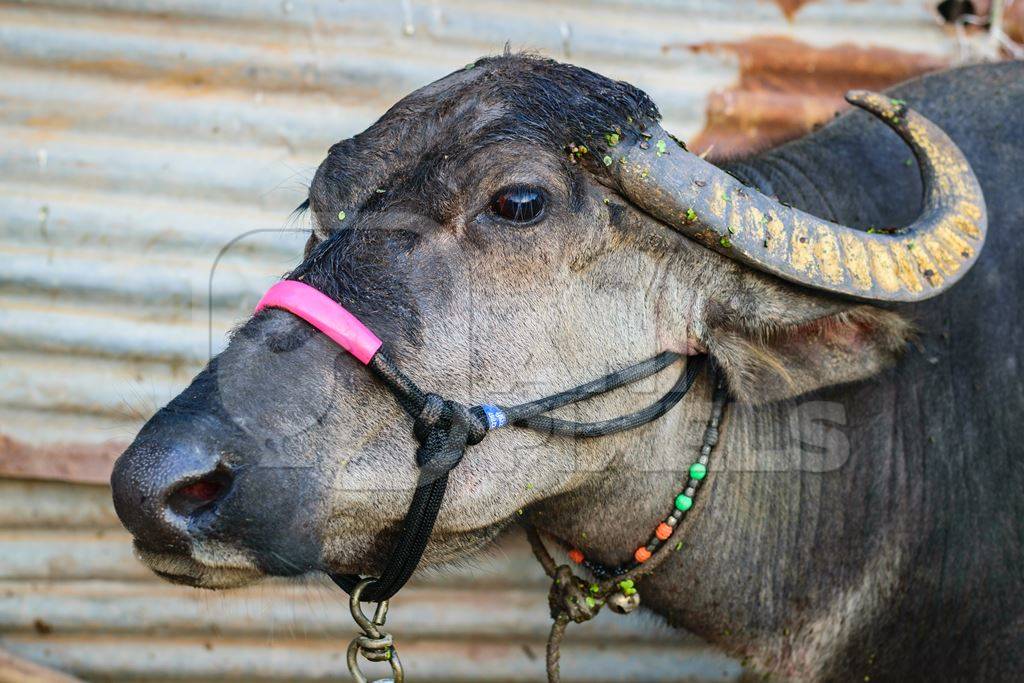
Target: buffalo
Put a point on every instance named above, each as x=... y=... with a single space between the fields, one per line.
x=521 y=226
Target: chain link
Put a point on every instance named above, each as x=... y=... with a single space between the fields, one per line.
x=373 y=644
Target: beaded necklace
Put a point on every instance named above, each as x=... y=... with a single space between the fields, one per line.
x=573 y=599
x=682 y=504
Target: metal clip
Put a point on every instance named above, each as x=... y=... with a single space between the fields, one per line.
x=374 y=645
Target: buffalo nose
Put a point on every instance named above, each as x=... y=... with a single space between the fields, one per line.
x=165 y=480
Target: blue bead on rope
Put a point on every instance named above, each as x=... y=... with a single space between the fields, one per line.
x=496 y=417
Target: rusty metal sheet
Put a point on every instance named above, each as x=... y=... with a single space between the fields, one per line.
x=71 y=594
x=139 y=137
x=313 y=610
x=786 y=88
x=305 y=659
x=41 y=505
x=84 y=463
x=17 y=670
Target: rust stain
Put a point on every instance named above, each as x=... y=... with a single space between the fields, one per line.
x=1013 y=21
x=51 y=122
x=787 y=87
x=791 y=7
x=70 y=462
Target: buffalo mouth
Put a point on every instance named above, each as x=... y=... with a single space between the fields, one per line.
x=228 y=572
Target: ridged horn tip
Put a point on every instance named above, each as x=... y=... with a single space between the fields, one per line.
x=906 y=264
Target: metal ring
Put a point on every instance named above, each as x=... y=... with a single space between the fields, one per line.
x=398 y=674
x=376 y=649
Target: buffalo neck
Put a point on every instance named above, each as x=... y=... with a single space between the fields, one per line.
x=844 y=526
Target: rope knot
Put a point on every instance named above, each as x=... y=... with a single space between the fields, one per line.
x=444 y=429
x=572 y=596
x=434 y=413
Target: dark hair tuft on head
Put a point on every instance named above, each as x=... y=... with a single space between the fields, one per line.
x=555 y=100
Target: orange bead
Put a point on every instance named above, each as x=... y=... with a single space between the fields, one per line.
x=663 y=531
x=642 y=554
x=576 y=556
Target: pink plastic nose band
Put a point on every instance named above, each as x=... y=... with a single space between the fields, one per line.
x=324 y=314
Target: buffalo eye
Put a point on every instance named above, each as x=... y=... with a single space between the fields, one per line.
x=520 y=204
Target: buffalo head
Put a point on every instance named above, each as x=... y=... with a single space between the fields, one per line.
x=511 y=230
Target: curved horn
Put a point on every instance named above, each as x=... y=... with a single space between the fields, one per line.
x=905 y=265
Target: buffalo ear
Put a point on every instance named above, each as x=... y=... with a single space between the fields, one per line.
x=776 y=342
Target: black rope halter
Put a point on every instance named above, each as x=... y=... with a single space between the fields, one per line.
x=445 y=428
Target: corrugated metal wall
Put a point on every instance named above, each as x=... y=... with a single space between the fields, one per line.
x=143 y=142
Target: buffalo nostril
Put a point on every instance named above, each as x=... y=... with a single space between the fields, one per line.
x=197 y=495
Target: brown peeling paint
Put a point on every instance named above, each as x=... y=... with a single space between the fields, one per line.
x=79 y=463
x=786 y=88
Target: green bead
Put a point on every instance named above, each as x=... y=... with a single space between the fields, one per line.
x=683 y=502
x=698 y=471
